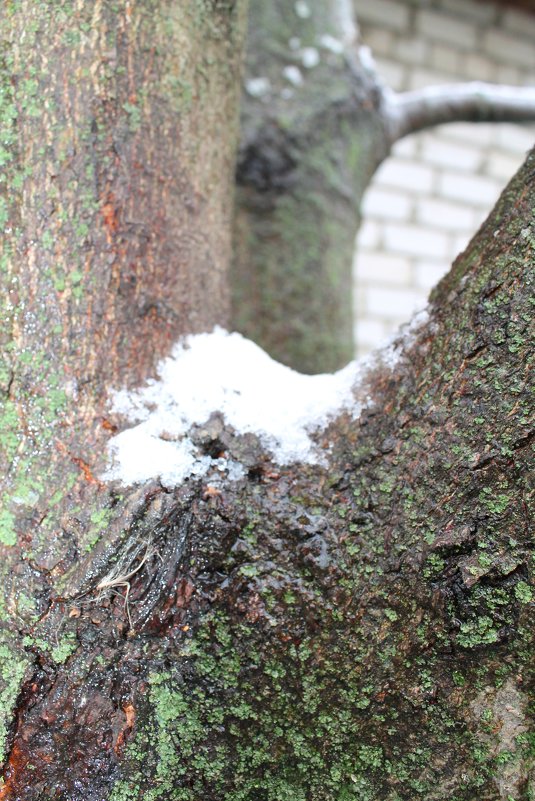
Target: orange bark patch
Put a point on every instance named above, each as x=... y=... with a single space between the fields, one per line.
x=130 y=719
x=84 y=467
x=86 y=470
x=211 y=492
x=106 y=424
x=109 y=215
x=17 y=761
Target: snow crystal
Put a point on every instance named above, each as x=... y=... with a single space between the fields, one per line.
x=258 y=87
x=310 y=57
x=225 y=373
x=293 y=74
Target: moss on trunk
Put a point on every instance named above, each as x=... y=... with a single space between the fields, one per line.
x=358 y=630
x=115 y=240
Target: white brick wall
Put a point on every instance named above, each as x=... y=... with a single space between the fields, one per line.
x=387 y=204
x=509 y=48
x=444 y=215
x=518 y=22
x=414 y=240
x=431 y=195
x=479 y=190
x=385 y=14
x=410 y=176
x=441 y=153
x=445 y=27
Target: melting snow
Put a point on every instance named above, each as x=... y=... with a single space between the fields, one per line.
x=226 y=373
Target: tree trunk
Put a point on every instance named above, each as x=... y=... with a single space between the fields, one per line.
x=312 y=137
x=355 y=629
x=118 y=133
x=316 y=123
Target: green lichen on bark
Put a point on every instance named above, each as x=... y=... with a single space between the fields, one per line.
x=359 y=630
x=14 y=664
x=373 y=635
x=95 y=104
x=115 y=240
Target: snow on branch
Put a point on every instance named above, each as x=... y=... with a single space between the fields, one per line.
x=407 y=112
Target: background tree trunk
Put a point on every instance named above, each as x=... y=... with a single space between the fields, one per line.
x=312 y=136
x=316 y=123
x=355 y=630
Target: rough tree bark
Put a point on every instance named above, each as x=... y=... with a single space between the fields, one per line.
x=118 y=125
x=316 y=123
x=359 y=629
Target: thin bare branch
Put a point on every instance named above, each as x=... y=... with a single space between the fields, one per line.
x=407 y=112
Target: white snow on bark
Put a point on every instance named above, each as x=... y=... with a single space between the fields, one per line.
x=344 y=15
x=228 y=374
x=258 y=87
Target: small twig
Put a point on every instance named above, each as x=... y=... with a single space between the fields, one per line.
x=122 y=580
x=126 y=604
x=106 y=583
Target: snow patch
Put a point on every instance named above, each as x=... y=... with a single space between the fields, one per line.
x=310 y=57
x=331 y=43
x=293 y=74
x=390 y=352
x=258 y=87
x=344 y=14
x=302 y=9
x=366 y=59
x=226 y=373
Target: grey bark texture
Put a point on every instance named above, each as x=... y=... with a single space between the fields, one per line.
x=311 y=139
x=469 y=102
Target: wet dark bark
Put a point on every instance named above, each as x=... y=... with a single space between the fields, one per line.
x=114 y=213
x=359 y=630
